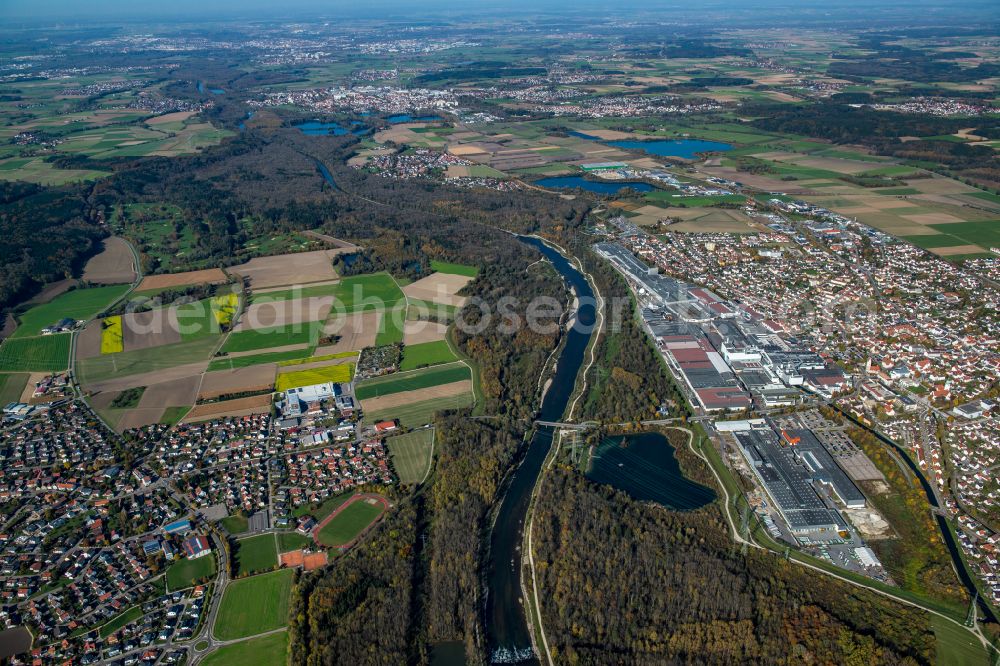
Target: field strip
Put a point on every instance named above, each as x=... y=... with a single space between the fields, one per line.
x=417 y=395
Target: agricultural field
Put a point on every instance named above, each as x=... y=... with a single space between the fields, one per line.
x=255 y=554
x=44 y=353
x=412 y=381
x=234 y=362
x=112 y=341
x=419 y=412
x=411 y=454
x=454 y=269
x=267 y=338
x=359 y=293
x=12 y=385
x=426 y=353
x=254 y=605
x=80 y=304
x=115 y=264
x=338 y=374
x=185 y=573
x=263 y=651
x=349 y=522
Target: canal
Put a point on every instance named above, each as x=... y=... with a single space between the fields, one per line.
x=506 y=624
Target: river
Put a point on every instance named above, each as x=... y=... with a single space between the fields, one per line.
x=506 y=624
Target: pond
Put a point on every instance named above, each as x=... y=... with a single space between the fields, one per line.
x=644 y=467
x=333 y=128
x=592 y=186
x=407 y=118
x=684 y=148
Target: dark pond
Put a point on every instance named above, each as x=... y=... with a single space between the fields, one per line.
x=644 y=466
x=317 y=128
x=599 y=187
x=685 y=148
x=407 y=118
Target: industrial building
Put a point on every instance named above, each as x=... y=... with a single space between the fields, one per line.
x=788 y=483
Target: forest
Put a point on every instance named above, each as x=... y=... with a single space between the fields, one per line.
x=624 y=357
x=45 y=235
x=690 y=597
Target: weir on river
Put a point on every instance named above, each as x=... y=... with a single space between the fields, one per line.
x=506 y=624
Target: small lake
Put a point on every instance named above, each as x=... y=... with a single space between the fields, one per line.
x=317 y=128
x=685 y=148
x=644 y=467
x=407 y=118
x=214 y=91
x=600 y=187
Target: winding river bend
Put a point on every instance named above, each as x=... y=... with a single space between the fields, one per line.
x=506 y=623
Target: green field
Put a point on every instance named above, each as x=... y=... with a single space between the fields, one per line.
x=420 y=413
x=11 y=386
x=454 y=269
x=298 y=292
x=349 y=523
x=264 y=651
x=45 y=353
x=411 y=381
x=254 y=605
x=957 y=646
x=131 y=615
x=256 y=554
x=185 y=573
x=426 y=353
x=390 y=326
x=75 y=304
x=358 y=293
x=231 y=363
x=235 y=524
x=171 y=415
x=323 y=510
x=411 y=454
x=288 y=541
x=277 y=336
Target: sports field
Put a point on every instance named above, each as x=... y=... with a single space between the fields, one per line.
x=411 y=454
x=426 y=353
x=44 y=353
x=338 y=374
x=75 y=304
x=349 y=522
x=255 y=554
x=254 y=605
x=185 y=573
x=263 y=651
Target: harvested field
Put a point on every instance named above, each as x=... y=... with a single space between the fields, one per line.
x=289 y=269
x=138 y=417
x=257 y=404
x=119 y=383
x=52 y=290
x=416 y=332
x=439 y=288
x=284 y=312
x=932 y=218
x=29 y=386
x=142 y=330
x=957 y=249
x=173 y=393
x=88 y=341
x=251 y=378
x=207 y=276
x=356 y=332
x=420 y=395
x=114 y=265
x=170 y=117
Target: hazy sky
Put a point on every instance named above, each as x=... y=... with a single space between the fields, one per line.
x=104 y=10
